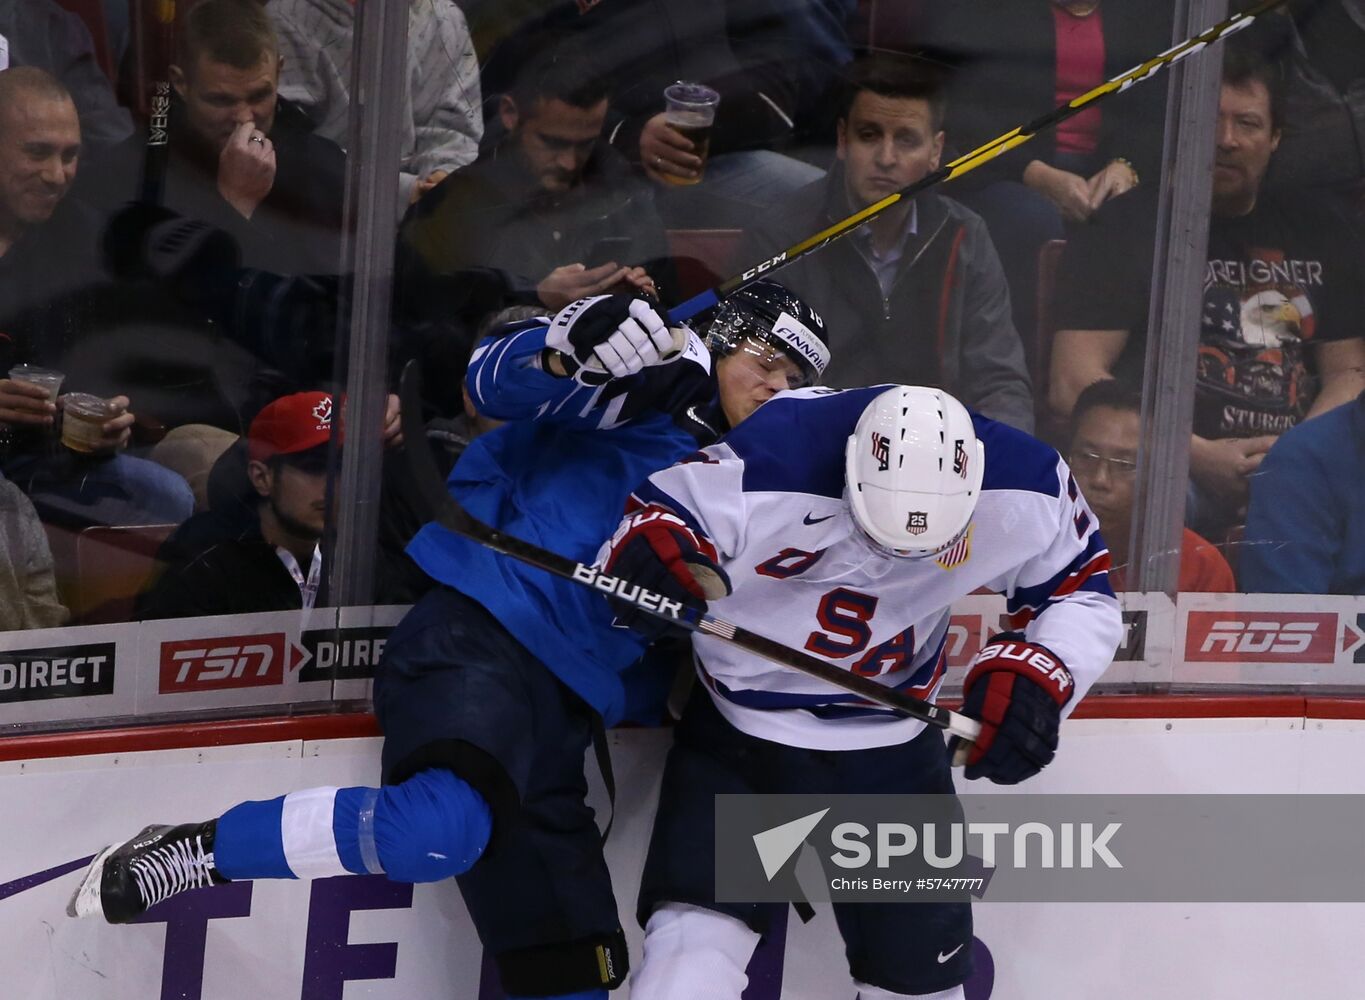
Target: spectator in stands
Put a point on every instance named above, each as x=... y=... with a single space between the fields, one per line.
x=771 y=61
x=47 y=256
x=241 y=157
x=1012 y=62
x=1323 y=142
x=40 y=147
x=441 y=114
x=1106 y=429
x=548 y=214
x=274 y=562
x=41 y=34
x=1305 y=529
x=28 y=586
x=1284 y=293
x=917 y=294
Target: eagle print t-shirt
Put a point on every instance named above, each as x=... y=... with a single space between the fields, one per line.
x=1277 y=281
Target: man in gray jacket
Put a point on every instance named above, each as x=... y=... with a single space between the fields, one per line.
x=918 y=294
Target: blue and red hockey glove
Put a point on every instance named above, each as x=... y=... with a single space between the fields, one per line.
x=1017 y=689
x=657 y=550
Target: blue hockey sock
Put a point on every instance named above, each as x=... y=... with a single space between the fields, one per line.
x=247 y=842
x=428 y=828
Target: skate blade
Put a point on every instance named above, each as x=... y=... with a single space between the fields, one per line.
x=85 y=901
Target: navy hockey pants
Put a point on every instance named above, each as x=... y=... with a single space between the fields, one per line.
x=455 y=690
x=892 y=945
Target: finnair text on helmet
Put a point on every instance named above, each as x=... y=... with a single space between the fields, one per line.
x=797 y=335
x=1041 y=845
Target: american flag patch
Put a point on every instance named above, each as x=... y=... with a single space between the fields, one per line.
x=959 y=553
x=881 y=451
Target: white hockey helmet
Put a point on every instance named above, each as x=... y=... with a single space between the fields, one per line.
x=913 y=467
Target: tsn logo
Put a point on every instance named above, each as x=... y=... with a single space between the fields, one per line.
x=1223 y=637
x=222 y=662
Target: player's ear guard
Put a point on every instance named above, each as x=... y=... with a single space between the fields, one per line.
x=1017 y=689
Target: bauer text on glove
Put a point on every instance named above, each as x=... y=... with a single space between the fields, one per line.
x=1017 y=689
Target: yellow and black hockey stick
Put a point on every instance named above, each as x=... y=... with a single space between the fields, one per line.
x=1000 y=144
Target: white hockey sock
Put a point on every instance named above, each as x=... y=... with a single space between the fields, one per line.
x=693 y=952
x=866 y=992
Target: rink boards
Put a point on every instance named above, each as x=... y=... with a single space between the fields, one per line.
x=366 y=937
x=248 y=663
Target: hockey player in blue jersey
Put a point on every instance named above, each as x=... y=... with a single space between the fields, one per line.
x=852 y=520
x=492 y=686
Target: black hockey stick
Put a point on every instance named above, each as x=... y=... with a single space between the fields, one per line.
x=1017 y=136
x=451 y=516
x=157 y=153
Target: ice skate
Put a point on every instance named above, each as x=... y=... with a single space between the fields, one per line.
x=125 y=880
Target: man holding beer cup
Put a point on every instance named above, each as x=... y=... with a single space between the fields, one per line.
x=88 y=481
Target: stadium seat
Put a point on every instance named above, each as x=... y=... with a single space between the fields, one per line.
x=92 y=13
x=703 y=257
x=889 y=25
x=102 y=569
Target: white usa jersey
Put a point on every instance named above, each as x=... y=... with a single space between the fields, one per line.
x=771 y=498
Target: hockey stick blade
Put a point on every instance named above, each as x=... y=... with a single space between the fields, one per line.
x=1003 y=143
x=446 y=512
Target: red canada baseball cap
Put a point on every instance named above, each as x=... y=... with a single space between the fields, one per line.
x=290 y=425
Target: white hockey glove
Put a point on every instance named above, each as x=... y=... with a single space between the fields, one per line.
x=609 y=336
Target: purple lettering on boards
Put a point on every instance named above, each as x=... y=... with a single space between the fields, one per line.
x=187 y=917
x=329 y=962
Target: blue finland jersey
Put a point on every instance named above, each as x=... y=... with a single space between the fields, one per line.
x=558 y=475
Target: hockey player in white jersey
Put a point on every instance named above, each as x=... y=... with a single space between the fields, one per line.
x=846 y=523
